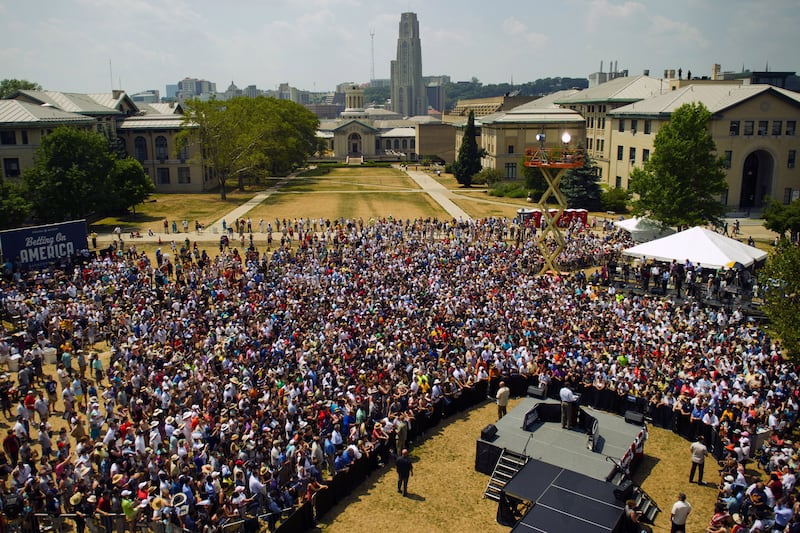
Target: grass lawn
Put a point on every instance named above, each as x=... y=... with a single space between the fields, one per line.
x=333 y=205
x=353 y=179
x=204 y=207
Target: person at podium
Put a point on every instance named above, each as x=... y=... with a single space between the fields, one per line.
x=568 y=401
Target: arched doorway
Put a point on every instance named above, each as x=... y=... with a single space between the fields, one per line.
x=756 y=179
x=354 y=144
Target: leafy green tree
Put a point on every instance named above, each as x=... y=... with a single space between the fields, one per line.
x=615 y=200
x=581 y=187
x=534 y=182
x=10 y=86
x=468 y=162
x=782 y=218
x=244 y=136
x=129 y=185
x=681 y=182
x=780 y=280
x=489 y=176
x=69 y=177
x=14 y=208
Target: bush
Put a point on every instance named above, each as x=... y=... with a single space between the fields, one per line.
x=319 y=171
x=488 y=176
x=509 y=189
x=615 y=200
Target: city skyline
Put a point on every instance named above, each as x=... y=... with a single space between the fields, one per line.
x=82 y=46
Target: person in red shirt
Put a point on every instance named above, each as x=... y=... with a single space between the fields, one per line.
x=104 y=510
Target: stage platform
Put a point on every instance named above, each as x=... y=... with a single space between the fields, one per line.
x=550 y=443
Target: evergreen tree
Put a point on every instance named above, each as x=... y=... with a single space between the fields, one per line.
x=683 y=179
x=581 y=187
x=468 y=162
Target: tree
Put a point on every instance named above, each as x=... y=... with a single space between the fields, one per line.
x=243 y=136
x=75 y=174
x=782 y=218
x=69 y=176
x=14 y=208
x=128 y=185
x=681 y=182
x=468 y=162
x=615 y=200
x=780 y=280
x=534 y=181
x=581 y=187
x=10 y=86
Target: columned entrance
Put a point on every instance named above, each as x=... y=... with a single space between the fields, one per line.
x=354 y=143
x=756 y=179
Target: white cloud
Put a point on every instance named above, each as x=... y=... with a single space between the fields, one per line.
x=513 y=26
x=677 y=32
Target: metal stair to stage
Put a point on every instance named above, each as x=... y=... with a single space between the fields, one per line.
x=644 y=503
x=507 y=465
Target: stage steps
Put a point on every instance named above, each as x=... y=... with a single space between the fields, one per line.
x=507 y=465
x=645 y=505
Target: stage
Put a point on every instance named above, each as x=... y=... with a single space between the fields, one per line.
x=550 y=443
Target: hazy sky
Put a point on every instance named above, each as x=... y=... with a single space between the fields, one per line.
x=314 y=44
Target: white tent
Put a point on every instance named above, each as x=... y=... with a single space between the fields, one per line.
x=644 y=229
x=700 y=246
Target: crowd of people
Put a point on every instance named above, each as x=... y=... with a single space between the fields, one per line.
x=239 y=382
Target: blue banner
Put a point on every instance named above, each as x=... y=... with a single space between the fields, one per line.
x=40 y=246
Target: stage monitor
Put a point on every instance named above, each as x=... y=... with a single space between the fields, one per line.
x=531 y=417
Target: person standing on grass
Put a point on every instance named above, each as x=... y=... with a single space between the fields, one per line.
x=699 y=452
x=404 y=470
x=680 y=512
x=502 y=396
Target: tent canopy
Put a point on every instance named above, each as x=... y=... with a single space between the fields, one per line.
x=699 y=245
x=644 y=229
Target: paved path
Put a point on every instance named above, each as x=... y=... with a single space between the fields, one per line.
x=240 y=211
x=439 y=193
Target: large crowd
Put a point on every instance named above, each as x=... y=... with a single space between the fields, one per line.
x=240 y=381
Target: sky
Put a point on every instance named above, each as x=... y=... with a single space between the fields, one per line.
x=95 y=45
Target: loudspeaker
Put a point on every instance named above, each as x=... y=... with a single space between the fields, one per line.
x=536 y=392
x=632 y=417
x=624 y=491
x=489 y=432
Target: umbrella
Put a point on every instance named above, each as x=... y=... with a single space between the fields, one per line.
x=736 y=265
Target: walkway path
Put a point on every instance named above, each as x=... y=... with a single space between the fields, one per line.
x=439 y=193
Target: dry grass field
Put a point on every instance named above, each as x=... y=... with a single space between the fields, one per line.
x=353 y=179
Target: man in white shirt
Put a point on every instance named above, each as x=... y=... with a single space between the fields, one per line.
x=503 y=393
x=568 y=400
x=680 y=512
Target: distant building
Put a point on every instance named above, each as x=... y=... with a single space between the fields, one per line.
x=171 y=91
x=147 y=97
x=189 y=88
x=408 y=90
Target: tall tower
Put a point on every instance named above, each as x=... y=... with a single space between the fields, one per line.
x=408 y=91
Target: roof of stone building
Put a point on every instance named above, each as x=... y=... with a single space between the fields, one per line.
x=15 y=112
x=85 y=104
x=621 y=90
x=716 y=98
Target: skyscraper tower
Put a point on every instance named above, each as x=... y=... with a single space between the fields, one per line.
x=408 y=91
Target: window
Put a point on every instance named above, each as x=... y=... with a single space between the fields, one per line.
x=777 y=127
x=790 y=127
x=510 y=148
x=162 y=176
x=634 y=125
x=388 y=144
x=24 y=137
x=632 y=154
x=11 y=167
x=601 y=143
x=183 y=153
x=140 y=149
x=618 y=182
x=645 y=155
x=405 y=144
x=8 y=137
x=620 y=153
x=792 y=158
x=734 y=128
x=748 y=127
x=511 y=171
x=161 y=148
x=603 y=123
x=397 y=144
x=648 y=125
x=728 y=158
x=184 y=176
x=621 y=124
x=590 y=142
x=787 y=196
x=763 y=126
x=413 y=143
